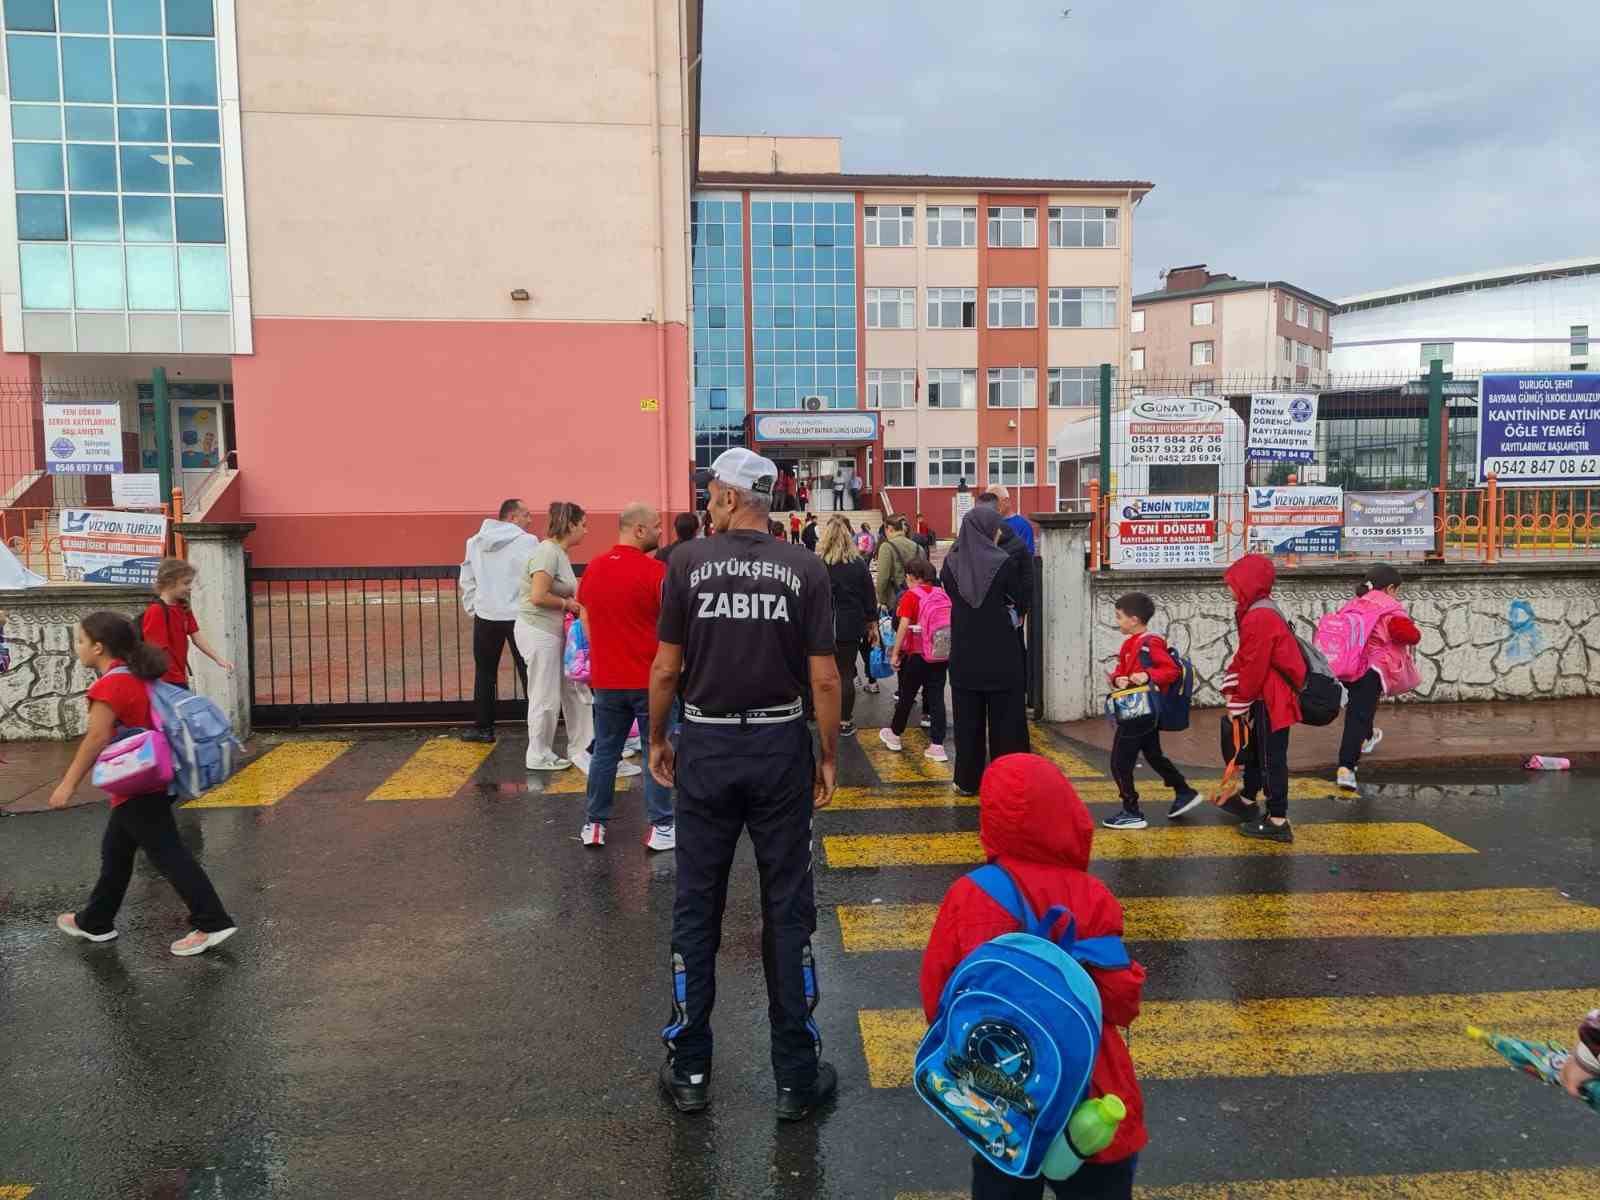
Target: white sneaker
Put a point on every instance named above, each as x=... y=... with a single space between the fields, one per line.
x=926 y=722
x=550 y=762
x=198 y=943
x=936 y=752
x=631 y=747
x=593 y=834
x=662 y=837
x=1347 y=780
x=1371 y=744
x=627 y=770
x=888 y=738
x=68 y=924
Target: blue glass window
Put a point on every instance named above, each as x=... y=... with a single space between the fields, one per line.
x=782 y=235
x=37 y=166
x=200 y=219
x=203 y=278
x=35 y=73
x=91 y=125
x=30 y=121
x=84 y=16
x=94 y=219
x=86 y=69
x=31 y=14
x=195 y=125
x=152 y=279
x=42 y=218
x=46 y=276
x=192 y=69
x=145 y=169
x=147 y=218
x=97 y=277
x=190 y=18
x=197 y=169
x=717 y=317
x=760 y=213
x=136 y=16
x=142 y=124
x=141 y=75
x=92 y=168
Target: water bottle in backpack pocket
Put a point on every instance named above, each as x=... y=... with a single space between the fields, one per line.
x=1010 y=1052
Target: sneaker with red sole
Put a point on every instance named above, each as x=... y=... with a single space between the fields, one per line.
x=594 y=834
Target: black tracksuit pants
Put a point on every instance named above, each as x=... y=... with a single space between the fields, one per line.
x=146 y=823
x=730 y=779
x=1266 y=759
x=987 y=726
x=488 y=637
x=1360 y=711
x=1125 y=751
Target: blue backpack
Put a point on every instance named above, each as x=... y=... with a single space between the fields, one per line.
x=1177 y=699
x=204 y=750
x=1009 y=1055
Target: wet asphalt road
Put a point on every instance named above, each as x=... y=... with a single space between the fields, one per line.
x=453 y=998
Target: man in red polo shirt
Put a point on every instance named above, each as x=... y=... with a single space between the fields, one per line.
x=620 y=592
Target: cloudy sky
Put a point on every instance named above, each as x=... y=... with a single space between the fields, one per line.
x=1341 y=146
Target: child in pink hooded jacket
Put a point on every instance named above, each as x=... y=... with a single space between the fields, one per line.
x=1391 y=669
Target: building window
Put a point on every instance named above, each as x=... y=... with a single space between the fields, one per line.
x=1302 y=315
x=1013 y=308
x=1013 y=466
x=1051 y=467
x=1013 y=387
x=1013 y=227
x=1443 y=353
x=891 y=308
x=1202 y=354
x=721 y=399
x=952 y=467
x=1285 y=349
x=890 y=224
x=952 y=225
x=1316 y=319
x=1302 y=354
x=1077 y=387
x=952 y=308
x=1136 y=322
x=1316 y=357
x=1202 y=387
x=1200 y=314
x=1083 y=308
x=899 y=468
x=718 y=399
x=1073 y=227
x=1580 y=342
x=120 y=206
x=1288 y=308
x=952 y=387
x=895 y=388
x=1136 y=359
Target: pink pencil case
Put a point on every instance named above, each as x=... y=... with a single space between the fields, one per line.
x=135 y=766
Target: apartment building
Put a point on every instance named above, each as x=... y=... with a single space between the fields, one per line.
x=1202 y=329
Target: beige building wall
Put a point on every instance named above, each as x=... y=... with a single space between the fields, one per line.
x=761 y=154
x=1245 y=346
x=384 y=179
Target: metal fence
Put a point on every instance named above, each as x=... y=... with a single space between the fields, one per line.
x=1373 y=433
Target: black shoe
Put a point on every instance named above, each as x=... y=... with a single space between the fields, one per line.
x=1183 y=802
x=961 y=791
x=795 y=1104
x=1264 y=828
x=689 y=1096
x=478 y=735
x=847 y=729
x=1245 y=810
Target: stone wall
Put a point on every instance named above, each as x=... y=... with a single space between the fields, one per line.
x=1500 y=632
x=41 y=696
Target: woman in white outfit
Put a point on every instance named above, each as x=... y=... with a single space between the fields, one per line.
x=549 y=594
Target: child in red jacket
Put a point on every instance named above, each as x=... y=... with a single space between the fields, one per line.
x=1032 y=823
x=1143 y=659
x=1262 y=683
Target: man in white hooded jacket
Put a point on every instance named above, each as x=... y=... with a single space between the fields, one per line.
x=491 y=582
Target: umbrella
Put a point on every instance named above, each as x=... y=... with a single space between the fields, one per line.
x=1542 y=1060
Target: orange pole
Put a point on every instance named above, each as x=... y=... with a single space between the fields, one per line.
x=1095 y=522
x=1491 y=517
x=178 y=547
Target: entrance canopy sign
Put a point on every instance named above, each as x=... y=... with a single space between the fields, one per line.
x=112 y=547
x=1164 y=531
x=1175 y=431
x=1388 y=521
x=1295 y=520
x=83 y=439
x=843 y=427
x=1283 y=427
x=1537 y=429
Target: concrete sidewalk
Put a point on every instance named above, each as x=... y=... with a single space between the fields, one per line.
x=1494 y=734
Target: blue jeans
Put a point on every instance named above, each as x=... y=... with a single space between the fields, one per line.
x=614 y=713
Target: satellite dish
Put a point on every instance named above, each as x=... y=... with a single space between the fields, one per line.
x=813 y=403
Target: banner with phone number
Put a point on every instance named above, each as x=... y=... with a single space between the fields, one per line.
x=1539 y=428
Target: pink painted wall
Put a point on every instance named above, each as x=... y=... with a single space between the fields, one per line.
x=21 y=419
x=387 y=442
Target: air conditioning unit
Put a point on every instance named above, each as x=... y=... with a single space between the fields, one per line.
x=814 y=403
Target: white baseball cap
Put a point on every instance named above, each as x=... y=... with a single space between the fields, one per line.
x=745 y=469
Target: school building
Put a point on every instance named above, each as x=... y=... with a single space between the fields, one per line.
x=396 y=270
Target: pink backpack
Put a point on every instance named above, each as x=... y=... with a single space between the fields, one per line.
x=1342 y=636
x=933 y=625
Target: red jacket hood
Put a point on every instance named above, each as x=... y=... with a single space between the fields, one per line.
x=1028 y=810
x=1250 y=579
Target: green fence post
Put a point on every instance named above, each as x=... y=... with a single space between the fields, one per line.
x=163 y=406
x=1436 y=378
x=1105 y=428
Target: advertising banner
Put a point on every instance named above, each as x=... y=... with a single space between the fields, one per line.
x=112 y=547
x=1283 y=427
x=136 y=489
x=1164 y=531
x=1175 y=431
x=1540 y=428
x=83 y=439
x=1388 y=521
x=1295 y=520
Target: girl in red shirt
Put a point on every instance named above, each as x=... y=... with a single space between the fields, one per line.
x=120 y=700
x=169 y=621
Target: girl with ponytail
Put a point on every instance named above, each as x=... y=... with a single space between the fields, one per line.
x=119 y=701
x=1391 y=670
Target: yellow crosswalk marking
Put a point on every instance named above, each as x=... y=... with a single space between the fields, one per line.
x=1071 y=765
x=273 y=776
x=573 y=782
x=1090 y=791
x=438 y=770
x=905 y=766
x=1487 y=911
x=1547 y=1183
x=15 y=1191
x=1206 y=841
x=1315 y=1035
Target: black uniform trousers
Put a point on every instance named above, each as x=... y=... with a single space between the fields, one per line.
x=488 y=637
x=1125 y=751
x=1266 y=759
x=987 y=726
x=1360 y=711
x=760 y=778
x=146 y=823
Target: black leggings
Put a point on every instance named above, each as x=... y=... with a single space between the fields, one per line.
x=146 y=823
x=1265 y=760
x=844 y=654
x=1359 y=712
x=917 y=674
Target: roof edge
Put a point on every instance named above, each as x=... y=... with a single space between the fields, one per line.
x=850 y=180
x=1237 y=285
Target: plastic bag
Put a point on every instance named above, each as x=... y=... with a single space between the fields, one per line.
x=575 y=658
x=881 y=668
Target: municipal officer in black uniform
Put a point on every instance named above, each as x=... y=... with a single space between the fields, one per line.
x=746 y=624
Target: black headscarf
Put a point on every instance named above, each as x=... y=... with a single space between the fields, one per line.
x=975 y=560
